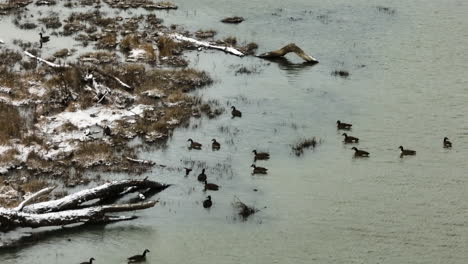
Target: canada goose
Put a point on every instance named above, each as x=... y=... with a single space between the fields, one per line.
x=202 y=176
x=207 y=203
x=360 y=153
x=194 y=145
x=211 y=186
x=344 y=126
x=187 y=171
x=215 y=145
x=447 y=143
x=260 y=155
x=235 y=112
x=88 y=262
x=406 y=152
x=258 y=170
x=138 y=258
x=43 y=39
x=350 y=139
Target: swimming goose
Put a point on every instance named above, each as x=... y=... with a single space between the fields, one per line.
x=194 y=145
x=350 y=139
x=261 y=155
x=211 y=186
x=215 y=145
x=88 y=262
x=258 y=170
x=447 y=143
x=207 y=203
x=202 y=176
x=138 y=258
x=406 y=152
x=235 y=112
x=43 y=39
x=344 y=126
x=187 y=171
x=360 y=153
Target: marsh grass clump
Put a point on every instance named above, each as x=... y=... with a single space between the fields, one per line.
x=302 y=144
x=34 y=185
x=12 y=124
x=203 y=34
x=167 y=47
x=230 y=41
x=99 y=57
x=243 y=210
x=10 y=58
x=52 y=21
x=62 y=53
x=9 y=156
x=128 y=43
x=108 y=41
x=341 y=73
x=249 y=48
x=67 y=127
x=386 y=10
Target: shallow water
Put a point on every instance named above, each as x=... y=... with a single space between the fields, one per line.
x=407 y=86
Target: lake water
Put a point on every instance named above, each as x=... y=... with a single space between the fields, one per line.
x=407 y=86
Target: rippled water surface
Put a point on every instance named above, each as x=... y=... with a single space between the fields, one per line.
x=407 y=86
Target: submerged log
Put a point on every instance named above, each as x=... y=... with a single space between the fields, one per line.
x=287 y=49
x=71 y=209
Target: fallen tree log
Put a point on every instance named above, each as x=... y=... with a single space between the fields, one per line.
x=104 y=191
x=205 y=44
x=11 y=219
x=72 y=210
x=287 y=49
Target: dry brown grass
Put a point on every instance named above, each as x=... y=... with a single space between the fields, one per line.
x=109 y=41
x=70 y=78
x=167 y=47
x=11 y=123
x=9 y=156
x=148 y=47
x=67 y=127
x=128 y=43
x=34 y=185
x=32 y=139
x=99 y=57
x=230 y=41
x=90 y=149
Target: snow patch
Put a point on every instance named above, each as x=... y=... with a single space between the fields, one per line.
x=136 y=54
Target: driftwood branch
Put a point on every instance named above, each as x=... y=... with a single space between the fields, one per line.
x=34 y=196
x=143 y=162
x=205 y=44
x=51 y=64
x=287 y=49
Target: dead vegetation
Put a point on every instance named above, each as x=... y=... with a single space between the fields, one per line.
x=307 y=143
x=341 y=73
x=244 y=210
x=11 y=124
x=203 y=34
x=52 y=21
x=386 y=10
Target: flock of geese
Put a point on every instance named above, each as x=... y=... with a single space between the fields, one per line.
x=215 y=146
x=362 y=153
